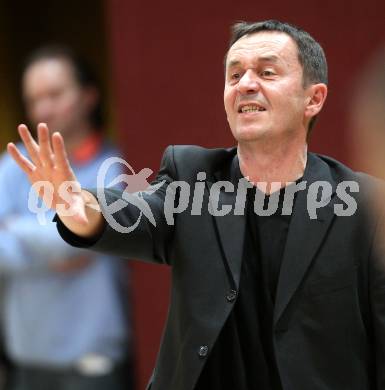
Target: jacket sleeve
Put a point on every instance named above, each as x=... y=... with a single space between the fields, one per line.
x=138 y=228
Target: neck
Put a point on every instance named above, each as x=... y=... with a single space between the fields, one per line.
x=272 y=162
x=75 y=138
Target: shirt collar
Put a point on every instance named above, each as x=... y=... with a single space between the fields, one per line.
x=87 y=149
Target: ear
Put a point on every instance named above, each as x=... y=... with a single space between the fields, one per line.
x=316 y=98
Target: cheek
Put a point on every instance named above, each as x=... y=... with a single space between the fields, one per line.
x=293 y=108
x=289 y=96
x=229 y=100
x=71 y=105
x=32 y=113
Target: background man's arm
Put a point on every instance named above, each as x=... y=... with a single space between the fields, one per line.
x=25 y=246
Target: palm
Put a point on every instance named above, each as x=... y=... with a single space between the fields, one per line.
x=49 y=164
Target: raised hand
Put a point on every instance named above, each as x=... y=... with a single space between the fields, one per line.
x=48 y=163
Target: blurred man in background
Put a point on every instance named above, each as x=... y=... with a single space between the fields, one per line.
x=368 y=116
x=64 y=319
x=5 y=366
x=368 y=122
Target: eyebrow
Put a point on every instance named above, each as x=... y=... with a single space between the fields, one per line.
x=273 y=58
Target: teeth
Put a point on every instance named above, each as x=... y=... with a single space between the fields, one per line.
x=251 y=108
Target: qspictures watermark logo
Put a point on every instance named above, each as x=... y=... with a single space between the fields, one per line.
x=175 y=197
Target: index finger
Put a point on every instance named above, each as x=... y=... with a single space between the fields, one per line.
x=20 y=160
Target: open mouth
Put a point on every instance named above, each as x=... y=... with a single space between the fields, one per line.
x=250 y=108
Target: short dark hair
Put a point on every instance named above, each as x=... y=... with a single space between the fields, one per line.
x=83 y=73
x=310 y=53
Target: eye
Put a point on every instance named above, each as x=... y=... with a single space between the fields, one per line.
x=56 y=93
x=267 y=73
x=235 y=76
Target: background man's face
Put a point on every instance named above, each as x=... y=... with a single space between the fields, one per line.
x=368 y=121
x=52 y=95
x=264 y=95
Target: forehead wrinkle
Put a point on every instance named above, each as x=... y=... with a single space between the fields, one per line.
x=275 y=50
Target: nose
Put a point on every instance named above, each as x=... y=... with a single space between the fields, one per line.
x=248 y=83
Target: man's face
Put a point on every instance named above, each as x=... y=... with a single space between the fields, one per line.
x=264 y=96
x=52 y=95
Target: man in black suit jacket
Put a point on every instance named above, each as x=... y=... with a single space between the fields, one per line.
x=288 y=300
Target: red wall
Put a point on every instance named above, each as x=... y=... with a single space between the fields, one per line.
x=167 y=67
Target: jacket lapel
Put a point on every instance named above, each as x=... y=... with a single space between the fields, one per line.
x=305 y=235
x=230 y=227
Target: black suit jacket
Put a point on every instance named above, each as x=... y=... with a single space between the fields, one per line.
x=329 y=316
